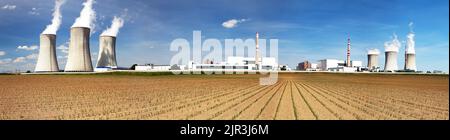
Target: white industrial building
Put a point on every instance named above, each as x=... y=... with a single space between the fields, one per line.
x=314 y=67
x=238 y=64
x=326 y=64
x=339 y=65
x=152 y=67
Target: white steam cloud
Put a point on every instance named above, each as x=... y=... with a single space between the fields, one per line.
x=373 y=51
x=116 y=24
x=56 y=21
x=393 y=45
x=87 y=16
x=410 y=43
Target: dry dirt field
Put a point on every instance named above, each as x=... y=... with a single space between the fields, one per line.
x=301 y=96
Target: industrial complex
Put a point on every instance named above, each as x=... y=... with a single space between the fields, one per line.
x=79 y=55
x=79 y=59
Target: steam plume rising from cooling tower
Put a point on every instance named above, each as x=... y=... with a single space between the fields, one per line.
x=56 y=21
x=116 y=24
x=392 y=46
x=373 y=51
x=410 y=43
x=87 y=16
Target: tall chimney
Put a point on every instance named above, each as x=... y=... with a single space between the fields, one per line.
x=47 y=61
x=79 y=58
x=107 y=52
x=257 y=55
x=348 y=52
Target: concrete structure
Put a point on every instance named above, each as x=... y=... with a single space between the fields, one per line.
x=391 y=54
x=325 y=64
x=307 y=66
x=347 y=63
x=103 y=69
x=343 y=69
x=237 y=63
x=372 y=60
x=410 y=62
x=390 y=61
x=410 y=53
x=339 y=65
x=152 y=67
x=47 y=61
x=107 y=52
x=79 y=58
x=257 y=54
x=304 y=65
x=314 y=66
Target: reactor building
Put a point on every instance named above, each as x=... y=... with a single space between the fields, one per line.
x=391 y=54
x=107 y=52
x=79 y=57
x=372 y=59
x=47 y=61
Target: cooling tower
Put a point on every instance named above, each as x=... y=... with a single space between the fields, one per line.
x=372 y=62
x=47 y=61
x=410 y=63
x=107 y=52
x=391 y=61
x=79 y=58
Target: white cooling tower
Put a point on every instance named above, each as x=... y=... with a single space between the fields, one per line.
x=410 y=52
x=79 y=58
x=47 y=61
x=107 y=52
x=372 y=62
x=410 y=62
x=391 y=61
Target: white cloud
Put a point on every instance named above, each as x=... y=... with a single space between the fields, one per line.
x=9 y=7
x=63 y=48
x=2 y=53
x=5 y=61
x=27 y=48
x=32 y=56
x=25 y=58
x=19 y=59
x=233 y=23
x=34 y=11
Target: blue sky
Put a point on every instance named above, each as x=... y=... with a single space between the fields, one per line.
x=306 y=29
